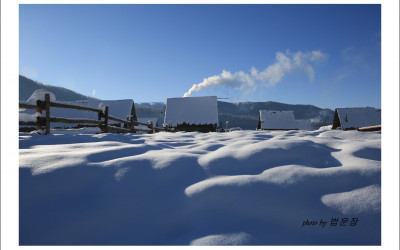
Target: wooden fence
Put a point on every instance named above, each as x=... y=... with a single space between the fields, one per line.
x=104 y=125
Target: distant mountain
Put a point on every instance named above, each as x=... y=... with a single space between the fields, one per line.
x=151 y=104
x=242 y=114
x=28 y=86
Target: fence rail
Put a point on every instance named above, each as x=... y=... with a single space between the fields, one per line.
x=71 y=106
x=129 y=124
x=72 y=121
x=27 y=106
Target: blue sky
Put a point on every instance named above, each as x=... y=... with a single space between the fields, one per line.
x=325 y=55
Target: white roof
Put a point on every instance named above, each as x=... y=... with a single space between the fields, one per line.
x=358 y=117
x=277 y=120
x=191 y=110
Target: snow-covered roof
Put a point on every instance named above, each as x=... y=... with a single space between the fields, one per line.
x=191 y=110
x=358 y=117
x=277 y=120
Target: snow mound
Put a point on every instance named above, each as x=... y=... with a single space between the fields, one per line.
x=358 y=201
x=239 y=188
x=222 y=240
x=39 y=95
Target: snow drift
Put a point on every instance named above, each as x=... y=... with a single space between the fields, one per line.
x=240 y=188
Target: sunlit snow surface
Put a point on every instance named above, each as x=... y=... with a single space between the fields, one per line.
x=237 y=188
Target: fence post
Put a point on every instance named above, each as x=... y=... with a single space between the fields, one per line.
x=38 y=111
x=99 y=118
x=129 y=122
x=151 y=127
x=47 y=105
x=106 y=119
x=132 y=124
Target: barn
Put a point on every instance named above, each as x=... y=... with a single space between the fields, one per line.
x=355 y=118
x=276 y=120
x=192 y=114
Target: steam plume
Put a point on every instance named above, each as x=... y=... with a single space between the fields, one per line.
x=285 y=63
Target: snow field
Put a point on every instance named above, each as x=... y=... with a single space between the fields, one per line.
x=237 y=188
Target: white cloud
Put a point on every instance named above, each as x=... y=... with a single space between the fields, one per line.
x=94 y=92
x=318 y=56
x=353 y=55
x=285 y=63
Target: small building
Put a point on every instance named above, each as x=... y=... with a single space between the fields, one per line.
x=192 y=114
x=354 y=118
x=276 y=120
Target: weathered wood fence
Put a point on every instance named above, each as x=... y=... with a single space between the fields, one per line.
x=103 y=124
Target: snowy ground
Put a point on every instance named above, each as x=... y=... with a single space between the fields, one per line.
x=237 y=188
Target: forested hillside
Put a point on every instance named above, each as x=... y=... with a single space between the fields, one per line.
x=28 y=86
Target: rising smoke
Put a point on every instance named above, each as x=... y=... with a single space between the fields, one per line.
x=285 y=63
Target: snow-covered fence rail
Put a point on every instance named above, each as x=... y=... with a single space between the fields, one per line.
x=129 y=124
